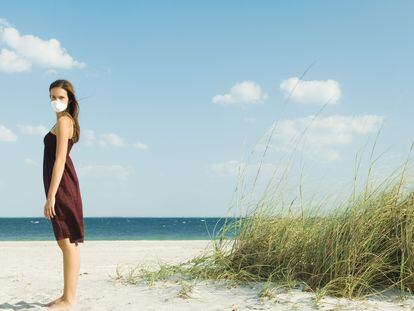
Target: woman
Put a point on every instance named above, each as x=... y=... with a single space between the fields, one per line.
x=63 y=199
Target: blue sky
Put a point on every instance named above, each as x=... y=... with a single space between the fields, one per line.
x=174 y=95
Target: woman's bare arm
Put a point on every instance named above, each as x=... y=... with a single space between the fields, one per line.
x=63 y=127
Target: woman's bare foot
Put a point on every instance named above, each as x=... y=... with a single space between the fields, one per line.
x=62 y=304
x=54 y=301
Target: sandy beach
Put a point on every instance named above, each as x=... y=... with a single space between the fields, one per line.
x=31 y=275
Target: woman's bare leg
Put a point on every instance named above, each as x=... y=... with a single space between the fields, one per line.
x=71 y=266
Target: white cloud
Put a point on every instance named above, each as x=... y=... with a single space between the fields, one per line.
x=317 y=92
x=140 y=146
x=25 y=51
x=88 y=136
x=4 y=22
x=33 y=129
x=109 y=139
x=246 y=92
x=227 y=168
x=7 y=134
x=109 y=172
x=235 y=168
x=30 y=161
x=11 y=62
x=325 y=134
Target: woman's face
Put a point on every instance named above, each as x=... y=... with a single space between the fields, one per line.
x=60 y=94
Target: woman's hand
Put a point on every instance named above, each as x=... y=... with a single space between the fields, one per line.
x=49 y=210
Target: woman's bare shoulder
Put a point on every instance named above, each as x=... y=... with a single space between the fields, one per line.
x=64 y=120
x=65 y=115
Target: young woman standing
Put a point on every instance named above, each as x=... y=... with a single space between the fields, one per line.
x=63 y=198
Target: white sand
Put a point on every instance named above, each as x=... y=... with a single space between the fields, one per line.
x=31 y=275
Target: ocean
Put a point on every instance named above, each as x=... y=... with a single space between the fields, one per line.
x=119 y=228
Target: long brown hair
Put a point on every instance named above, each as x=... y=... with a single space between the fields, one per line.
x=73 y=106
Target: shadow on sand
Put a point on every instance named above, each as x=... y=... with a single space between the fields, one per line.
x=21 y=305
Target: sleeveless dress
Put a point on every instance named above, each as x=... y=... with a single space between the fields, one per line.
x=68 y=221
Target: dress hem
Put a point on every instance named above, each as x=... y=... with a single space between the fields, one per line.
x=71 y=240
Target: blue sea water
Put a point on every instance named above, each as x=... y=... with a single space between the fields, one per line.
x=119 y=228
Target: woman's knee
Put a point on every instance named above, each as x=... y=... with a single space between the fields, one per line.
x=63 y=243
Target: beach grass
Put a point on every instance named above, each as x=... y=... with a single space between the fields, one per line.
x=363 y=246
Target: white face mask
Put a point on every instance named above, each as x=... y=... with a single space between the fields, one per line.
x=58 y=106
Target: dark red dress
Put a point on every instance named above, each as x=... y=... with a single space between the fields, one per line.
x=68 y=221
